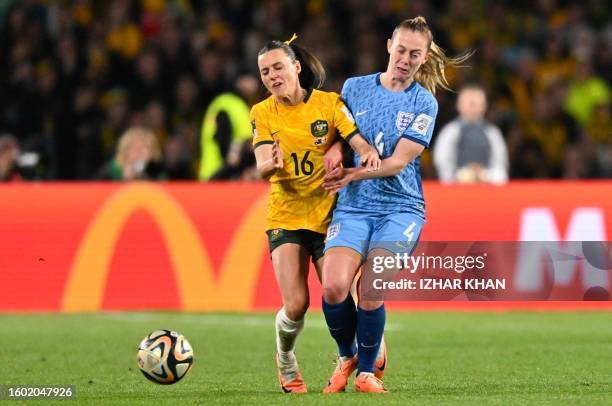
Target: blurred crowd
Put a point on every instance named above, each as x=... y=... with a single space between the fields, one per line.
x=79 y=77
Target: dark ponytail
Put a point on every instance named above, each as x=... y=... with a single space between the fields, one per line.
x=312 y=75
x=313 y=72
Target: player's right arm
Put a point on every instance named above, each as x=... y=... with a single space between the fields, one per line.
x=405 y=152
x=268 y=154
x=269 y=159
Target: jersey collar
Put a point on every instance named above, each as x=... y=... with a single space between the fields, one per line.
x=304 y=101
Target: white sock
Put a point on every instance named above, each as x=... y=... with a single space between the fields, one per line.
x=287 y=332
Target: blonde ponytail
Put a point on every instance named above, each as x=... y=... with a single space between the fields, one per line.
x=432 y=73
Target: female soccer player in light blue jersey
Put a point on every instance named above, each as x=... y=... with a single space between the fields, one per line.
x=395 y=111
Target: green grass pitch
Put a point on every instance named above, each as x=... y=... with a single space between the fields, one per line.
x=435 y=358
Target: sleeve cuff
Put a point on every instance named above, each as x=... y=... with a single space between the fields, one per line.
x=260 y=143
x=417 y=140
x=351 y=135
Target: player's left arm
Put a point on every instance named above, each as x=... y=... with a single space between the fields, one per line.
x=345 y=123
x=333 y=156
x=369 y=157
x=412 y=143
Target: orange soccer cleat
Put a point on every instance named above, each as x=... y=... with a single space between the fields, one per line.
x=381 y=360
x=339 y=379
x=292 y=382
x=368 y=383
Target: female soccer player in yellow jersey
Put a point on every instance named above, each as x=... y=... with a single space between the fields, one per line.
x=292 y=131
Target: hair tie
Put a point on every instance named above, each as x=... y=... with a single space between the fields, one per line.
x=293 y=38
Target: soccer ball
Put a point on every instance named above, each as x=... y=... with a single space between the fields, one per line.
x=164 y=356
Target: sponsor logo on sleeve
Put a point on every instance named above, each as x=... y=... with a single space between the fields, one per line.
x=421 y=123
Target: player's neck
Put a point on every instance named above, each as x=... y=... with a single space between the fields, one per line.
x=293 y=98
x=395 y=84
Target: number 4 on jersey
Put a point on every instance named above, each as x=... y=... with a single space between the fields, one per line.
x=409 y=232
x=379 y=144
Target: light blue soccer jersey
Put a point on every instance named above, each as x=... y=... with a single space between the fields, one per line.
x=383 y=118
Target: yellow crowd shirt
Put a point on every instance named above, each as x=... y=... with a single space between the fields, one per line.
x=306 y=131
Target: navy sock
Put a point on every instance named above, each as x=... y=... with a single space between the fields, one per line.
x=341 y=320
x=370 y=328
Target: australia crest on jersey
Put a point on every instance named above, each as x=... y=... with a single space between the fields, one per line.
x=319 y=128
x=403 y=120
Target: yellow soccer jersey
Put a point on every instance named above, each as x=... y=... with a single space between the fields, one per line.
x=306 y=131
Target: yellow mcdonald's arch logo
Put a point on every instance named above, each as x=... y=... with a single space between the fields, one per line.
x=198 y=288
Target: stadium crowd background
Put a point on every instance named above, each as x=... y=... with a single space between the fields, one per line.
x=75 y=75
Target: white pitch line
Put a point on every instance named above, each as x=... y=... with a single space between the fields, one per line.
x=214 y=319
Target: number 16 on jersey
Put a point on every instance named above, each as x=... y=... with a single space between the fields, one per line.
x=304 y=165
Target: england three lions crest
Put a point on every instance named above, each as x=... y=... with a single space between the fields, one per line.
x=403 y=120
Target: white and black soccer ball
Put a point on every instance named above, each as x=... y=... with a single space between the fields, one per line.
x=164 y=356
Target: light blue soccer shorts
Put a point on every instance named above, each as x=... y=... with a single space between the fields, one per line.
x=396 y=232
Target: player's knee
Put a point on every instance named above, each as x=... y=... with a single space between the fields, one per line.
x=370 y=304
x=296 y=309
x=334 y=292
